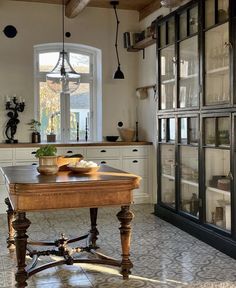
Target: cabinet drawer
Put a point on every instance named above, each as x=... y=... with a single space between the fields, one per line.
x=36 y=162
x=115 y=163
x=25 y=153
x=136 y=166
x=103 y=152
x=135 y=151
x=6 y=154
x=67 y=151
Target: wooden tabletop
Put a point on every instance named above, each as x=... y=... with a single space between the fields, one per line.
x=30 y=191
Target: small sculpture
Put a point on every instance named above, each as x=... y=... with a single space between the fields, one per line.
x=12 y=123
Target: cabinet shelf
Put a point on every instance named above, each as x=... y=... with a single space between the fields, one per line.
x=191 y=76
x=168 y=176
x=168 y=81
x=216 y=190
x=221 y=70
x=142 y=44
x=189 y=182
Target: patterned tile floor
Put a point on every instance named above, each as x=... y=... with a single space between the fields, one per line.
x=163 y=256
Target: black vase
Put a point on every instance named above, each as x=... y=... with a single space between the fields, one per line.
x=36 y=137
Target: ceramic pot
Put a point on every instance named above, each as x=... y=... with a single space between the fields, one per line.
x=36 y=137
x=48 y=165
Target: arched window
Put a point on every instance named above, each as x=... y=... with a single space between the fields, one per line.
x=63 y=115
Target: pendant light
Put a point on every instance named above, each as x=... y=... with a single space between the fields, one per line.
x=171 y=3
x=118 y=74
x=63 y=77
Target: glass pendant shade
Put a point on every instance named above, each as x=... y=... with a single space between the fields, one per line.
x=119 y=74
x=63 y=77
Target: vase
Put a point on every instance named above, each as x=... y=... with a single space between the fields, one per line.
x=48 y=165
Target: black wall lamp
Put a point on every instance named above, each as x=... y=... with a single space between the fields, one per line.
x=118 y=74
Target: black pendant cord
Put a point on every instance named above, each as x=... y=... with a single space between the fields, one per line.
x=117 y=32
x=63 y=39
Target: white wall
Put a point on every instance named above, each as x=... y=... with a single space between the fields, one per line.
x=41 y=23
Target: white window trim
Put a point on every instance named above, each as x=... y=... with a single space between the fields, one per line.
x=96 y=97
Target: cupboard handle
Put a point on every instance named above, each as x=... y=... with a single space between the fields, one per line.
x=34 y=152
x=69 y=151
x=103 y=162
x=135 y=161
x=135 y=150
x=103 y=151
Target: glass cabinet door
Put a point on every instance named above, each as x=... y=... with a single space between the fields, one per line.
x=189 y=180
x=217 y=65
x=168 y=86
x=168 y=174
x=218 y=197
x=188 y=81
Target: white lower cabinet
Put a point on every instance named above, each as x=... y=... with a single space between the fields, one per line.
x=131 y=158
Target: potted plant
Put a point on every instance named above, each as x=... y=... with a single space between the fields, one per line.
x=35 y=128
x=47 y=160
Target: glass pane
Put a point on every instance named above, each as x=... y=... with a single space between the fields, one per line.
x=183 y=130
x=168 y=174
x=50 y=116
x=193 y=20
x=47 y=61
x=188 y=84
x=189 y=180
x=223 y=10
x=168 y=77
x=81 y=63
x=209 y=13
x=163 y=129
x=223 y=131
x=163 y=34
x=79 y=112
x=171 y=132
x=183 y=25
x=171 y=31
x=210 y=135
x=193 y=130
x=218 y=204
x=217 y=65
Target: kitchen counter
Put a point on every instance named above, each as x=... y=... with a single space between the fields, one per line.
x=77 y=144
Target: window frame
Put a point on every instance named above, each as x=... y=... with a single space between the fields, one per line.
x=94 y=78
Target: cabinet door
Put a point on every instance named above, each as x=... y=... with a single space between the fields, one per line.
x=217 y=85
x=188 y=81
x=189 y=199
x=218 y=189
x=167 y=171
x=168 y=71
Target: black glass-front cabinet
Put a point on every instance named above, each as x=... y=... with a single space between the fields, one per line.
x=197 y=121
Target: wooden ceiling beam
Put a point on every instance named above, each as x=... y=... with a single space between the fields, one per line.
x=74 y=7
x=149 y=9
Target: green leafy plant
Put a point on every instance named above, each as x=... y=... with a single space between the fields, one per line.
x=47 y=150
x=34 y=125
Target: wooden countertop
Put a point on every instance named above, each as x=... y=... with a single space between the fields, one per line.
x=76 y=144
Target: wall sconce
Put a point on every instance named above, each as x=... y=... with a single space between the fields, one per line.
x=118 y=74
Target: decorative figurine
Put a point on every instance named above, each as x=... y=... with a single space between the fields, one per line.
x=15 y=106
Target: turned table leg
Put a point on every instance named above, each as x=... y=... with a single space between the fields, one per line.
x=125 y=217
x=21 y=224
x=11 y=231
x=93 y=231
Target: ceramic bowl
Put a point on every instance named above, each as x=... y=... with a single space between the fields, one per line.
x=83 y=170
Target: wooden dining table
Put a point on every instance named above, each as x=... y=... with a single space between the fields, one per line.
x=30 y=191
